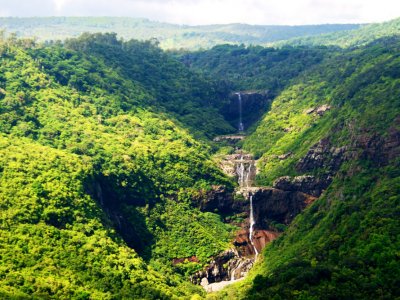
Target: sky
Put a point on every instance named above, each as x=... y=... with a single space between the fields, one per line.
x=201 y=12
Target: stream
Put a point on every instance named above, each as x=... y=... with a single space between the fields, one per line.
x=242 y=166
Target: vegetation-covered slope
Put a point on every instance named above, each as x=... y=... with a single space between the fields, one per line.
x=85 y=160
x=171 y=36
x=99 y=165
x=344 y=245
x=255 y=67
x=170 y=87
x=55 y=240
x=350 y=38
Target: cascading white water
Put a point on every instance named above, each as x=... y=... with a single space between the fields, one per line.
x=248 y=175
x=243 y=171
x=252 y=222
x=240 y=171
x=241 y=126
x=233 y=274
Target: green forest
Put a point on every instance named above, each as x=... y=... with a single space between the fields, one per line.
x=107 y=147
x=170 y=36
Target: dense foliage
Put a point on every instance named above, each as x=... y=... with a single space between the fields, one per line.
x=349 y=38
x=55 y=240
x=345 y=245
x=88 y=158
x=361 y=93
x=170 y=87
x=102 y=152
x=255 y=67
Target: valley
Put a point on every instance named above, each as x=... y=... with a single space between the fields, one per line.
x=235 y=172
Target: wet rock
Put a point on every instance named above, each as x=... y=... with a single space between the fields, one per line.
x=228 y=266
x=241 y=166
x=276 y=205
x=239 y=267
x=254 y=105
x=262 y=237
x=217 y=270
x=242 y=243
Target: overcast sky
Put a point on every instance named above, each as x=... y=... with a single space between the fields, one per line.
x=194 y=12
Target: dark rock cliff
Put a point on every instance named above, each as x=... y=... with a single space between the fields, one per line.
x=224 y=267
x=219 y=199
x=308 y=184
x=274 y=205
x=254 y=105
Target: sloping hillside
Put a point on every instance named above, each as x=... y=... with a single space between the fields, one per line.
x=337 y=125
x=105 y=149
x=171 y=36
x=93 y=173
x=361 y=36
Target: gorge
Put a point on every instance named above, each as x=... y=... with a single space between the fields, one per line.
x=128 y=172
x=233 y=264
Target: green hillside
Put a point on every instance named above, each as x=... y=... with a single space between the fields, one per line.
x=106 y=149
x=93 y=172
x=347 y=38
x=171 y=36
x=255 y=67
x=345 y=245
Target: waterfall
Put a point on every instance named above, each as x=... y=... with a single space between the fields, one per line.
x=233 y=274
x=243 y=171
x=248 y=175
x=240 y=170
x=252 y=222
x=241 y=127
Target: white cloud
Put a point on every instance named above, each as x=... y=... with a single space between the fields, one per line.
x=59 y=5
x=215 y=11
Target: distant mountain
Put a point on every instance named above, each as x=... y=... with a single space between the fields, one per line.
x=346 y=38
x=170 y=36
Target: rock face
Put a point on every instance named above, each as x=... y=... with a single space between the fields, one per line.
x=279 y=206
x=307 y=184
x=241 y=166
x=262 y=237
x=242 y=243
x=225 y=267
x=378 y=149
x=321 y=110
x=322 y=155
x=232 y=139
x=177 y=261
x=219 y=199
x=254 y=105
